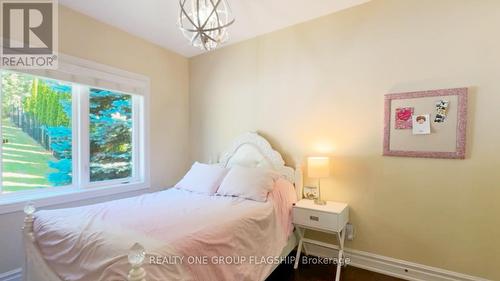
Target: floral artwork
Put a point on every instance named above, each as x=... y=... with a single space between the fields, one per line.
x=403 y=118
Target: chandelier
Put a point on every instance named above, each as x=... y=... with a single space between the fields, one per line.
x=205 y=22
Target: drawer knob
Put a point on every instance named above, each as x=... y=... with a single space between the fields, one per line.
x=314 y=218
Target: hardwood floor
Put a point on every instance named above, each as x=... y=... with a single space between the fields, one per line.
x=309 y=272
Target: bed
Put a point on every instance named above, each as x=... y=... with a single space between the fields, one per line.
x=185 y=236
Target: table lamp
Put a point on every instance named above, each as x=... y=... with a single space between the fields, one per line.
x=318 y=168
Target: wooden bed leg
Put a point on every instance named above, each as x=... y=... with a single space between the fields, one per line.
x=136 y=258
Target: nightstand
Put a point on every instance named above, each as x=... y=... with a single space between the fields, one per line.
x=330 y=218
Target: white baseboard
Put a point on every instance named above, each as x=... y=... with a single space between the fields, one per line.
x=13 y=275
x=372 y=262
x=393 y=267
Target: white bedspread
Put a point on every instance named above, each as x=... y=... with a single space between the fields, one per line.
x=184 y=230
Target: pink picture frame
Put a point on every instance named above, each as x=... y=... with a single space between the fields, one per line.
x=461 y=123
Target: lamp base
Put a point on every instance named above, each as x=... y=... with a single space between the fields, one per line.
x=319 y=202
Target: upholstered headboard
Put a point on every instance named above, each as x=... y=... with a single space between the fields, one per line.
x=252 y=150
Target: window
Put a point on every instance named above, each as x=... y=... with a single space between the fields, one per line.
x=59 y=134
x=110 y=117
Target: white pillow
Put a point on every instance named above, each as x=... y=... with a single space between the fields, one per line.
x=202 y=178
x=249 y=183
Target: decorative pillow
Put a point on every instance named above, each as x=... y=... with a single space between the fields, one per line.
x=249 y=183
x=202 y=178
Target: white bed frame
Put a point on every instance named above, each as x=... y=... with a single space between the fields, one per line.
x=250 y=150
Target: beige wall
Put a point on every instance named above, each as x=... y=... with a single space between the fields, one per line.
x=318 y=87
x=83 y=37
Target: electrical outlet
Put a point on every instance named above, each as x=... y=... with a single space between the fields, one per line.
x=349 y=232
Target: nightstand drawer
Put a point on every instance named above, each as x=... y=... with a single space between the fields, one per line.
x=315 y=219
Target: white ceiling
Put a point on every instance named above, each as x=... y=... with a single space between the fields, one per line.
x=156 y=20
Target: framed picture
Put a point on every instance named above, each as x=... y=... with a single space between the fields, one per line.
x=430 y=124
x=310 y=192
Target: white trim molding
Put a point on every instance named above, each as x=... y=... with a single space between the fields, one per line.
x=16 y=203
x=372 y=262
x=369 y=261
x=393 y=267
x=13 y=275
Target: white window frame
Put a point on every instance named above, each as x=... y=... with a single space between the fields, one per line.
x=81 y=187
x=84 y=160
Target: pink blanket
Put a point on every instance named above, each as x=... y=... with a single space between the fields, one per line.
x=187 y=236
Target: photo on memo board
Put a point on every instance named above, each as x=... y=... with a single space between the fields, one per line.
x=421 y=124
x=438 y=124
x=403 y=118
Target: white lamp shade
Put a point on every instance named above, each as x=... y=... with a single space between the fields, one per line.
x=318 y=167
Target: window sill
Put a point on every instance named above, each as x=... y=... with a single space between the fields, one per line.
x=11 y=203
